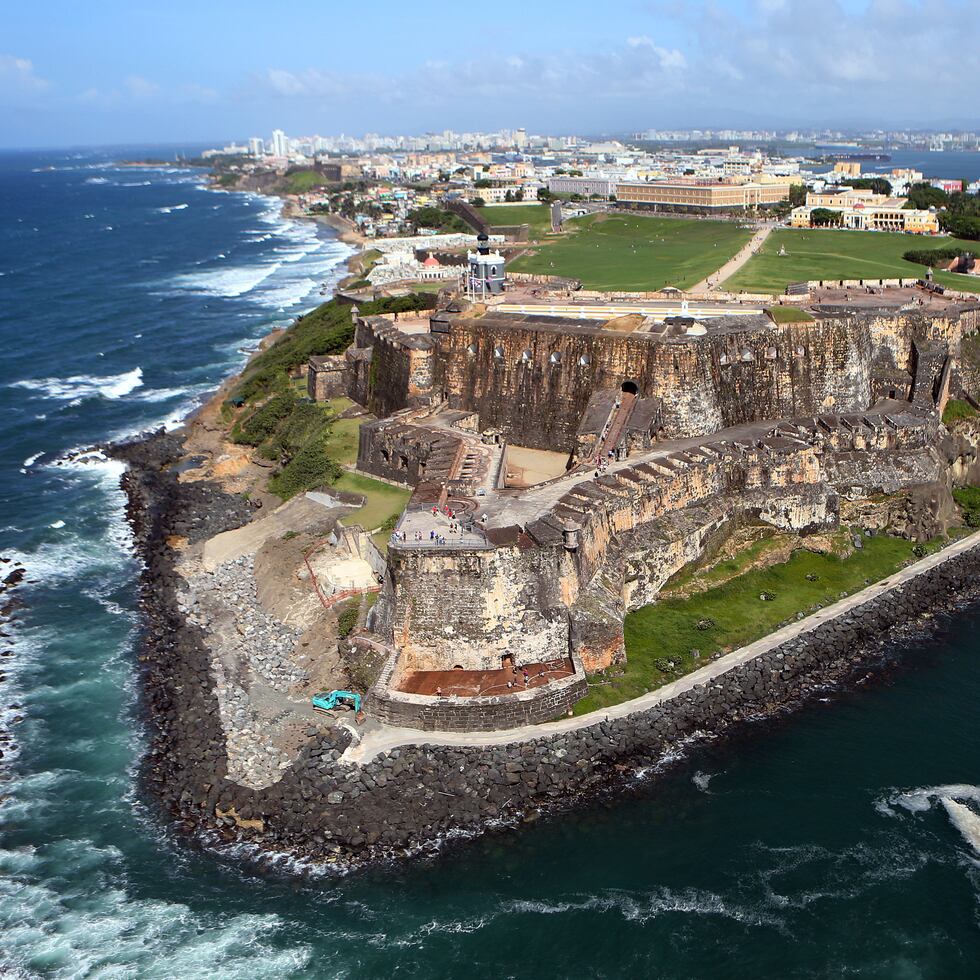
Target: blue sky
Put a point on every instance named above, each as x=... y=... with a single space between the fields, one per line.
x=108 y=71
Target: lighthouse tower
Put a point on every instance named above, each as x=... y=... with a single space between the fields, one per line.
x=485 y=276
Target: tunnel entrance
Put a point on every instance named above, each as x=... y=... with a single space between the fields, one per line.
x=630 y=388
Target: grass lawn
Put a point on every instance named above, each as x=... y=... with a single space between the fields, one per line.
x=822 y=254
x=538 y=216
x=661 y=637
x=636 y=253
x=788 y=314
x=303 y=180
x=383 y=500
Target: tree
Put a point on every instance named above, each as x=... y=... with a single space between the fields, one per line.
x=797 y=195
x=519 y=194
x=823 y=217
x=478 y=202
x=876 y=184
x=509 y=196
x=544 y=194
x=962 y=225
x=925 y=196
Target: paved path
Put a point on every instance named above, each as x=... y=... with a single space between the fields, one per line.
x=377 y=738
x=735 y=263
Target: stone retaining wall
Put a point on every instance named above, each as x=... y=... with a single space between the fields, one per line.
x=426 y=713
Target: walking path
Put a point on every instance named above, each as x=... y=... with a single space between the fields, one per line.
x=714 y=281
x=376 y=738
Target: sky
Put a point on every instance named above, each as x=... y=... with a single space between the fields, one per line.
x=123 y=71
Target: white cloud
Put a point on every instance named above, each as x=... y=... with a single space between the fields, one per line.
x=17 y=76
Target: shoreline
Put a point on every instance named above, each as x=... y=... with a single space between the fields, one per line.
x=409 y=798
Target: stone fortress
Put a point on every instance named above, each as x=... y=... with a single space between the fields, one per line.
x=565 y=465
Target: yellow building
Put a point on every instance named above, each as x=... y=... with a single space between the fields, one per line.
x=701 y=195
x=863 y=210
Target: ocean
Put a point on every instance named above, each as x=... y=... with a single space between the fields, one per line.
x=814 y=846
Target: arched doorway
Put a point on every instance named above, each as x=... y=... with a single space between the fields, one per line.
x=630 y=388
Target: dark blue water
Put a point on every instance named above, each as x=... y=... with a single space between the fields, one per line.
x=817 y=847
x=951 y=164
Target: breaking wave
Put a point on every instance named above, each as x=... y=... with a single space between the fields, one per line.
x=953 y=797
x=84 y=386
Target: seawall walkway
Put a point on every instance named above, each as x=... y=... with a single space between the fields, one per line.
x=376 y=738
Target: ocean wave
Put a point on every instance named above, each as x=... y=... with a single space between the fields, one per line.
x=82 y=386
x=96 y=180
x=112 y=933
x=227 y=282
x=171 y=208
x=289 y=294
x=921 y=800
x=954 y=799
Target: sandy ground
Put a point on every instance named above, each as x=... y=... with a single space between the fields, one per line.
x=526 y=467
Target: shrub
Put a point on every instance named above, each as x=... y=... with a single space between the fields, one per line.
x=347 y=619
x=311 y=467
x=931 y=256
x=969 y=500
x=264 y=421
x=956 y=410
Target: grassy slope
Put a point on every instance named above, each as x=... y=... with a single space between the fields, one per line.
x=822 y=254
x=538 y=216
x=666 y=631
x=637 y=253
x=383 y=500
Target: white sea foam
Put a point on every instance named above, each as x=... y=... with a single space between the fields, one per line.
x=171 y=209
x=920 y=800
x=965 y=820
x=96 y=180
x=113 y=933
x=702 y=780
x=289 y=294
x=31 y=460
x=83 y=386
x=232 y=282
x=57 y=525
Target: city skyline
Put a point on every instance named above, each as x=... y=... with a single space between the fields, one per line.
x=132 y=73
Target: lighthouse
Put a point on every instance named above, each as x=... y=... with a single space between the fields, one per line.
x=485 y=276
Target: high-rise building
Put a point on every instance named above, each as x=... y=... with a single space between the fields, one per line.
x=280 y=144
x=256 y=146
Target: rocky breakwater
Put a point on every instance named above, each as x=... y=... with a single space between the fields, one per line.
x=249 y=655
x=331 y=809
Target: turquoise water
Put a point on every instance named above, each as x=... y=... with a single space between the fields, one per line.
x=812 y=847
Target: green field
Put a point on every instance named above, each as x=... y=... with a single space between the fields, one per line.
x=382 y=502
x=636 y=253
x=822 y=254
x=538 y=216
x=661 y=638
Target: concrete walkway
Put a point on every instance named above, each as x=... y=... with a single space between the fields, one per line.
x=376 y=738
x=735 y=263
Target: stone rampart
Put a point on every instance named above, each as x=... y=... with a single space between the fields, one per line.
x=472 y=714
x=533 y=379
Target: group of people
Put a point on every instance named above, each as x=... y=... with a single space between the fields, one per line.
x=515 y=682
x=602 y=463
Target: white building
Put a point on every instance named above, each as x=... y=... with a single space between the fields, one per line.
x=280 y=144
x=256 y=146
